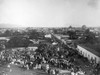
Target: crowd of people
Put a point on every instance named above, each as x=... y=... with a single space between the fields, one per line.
x=53 y=59
x=40 y=59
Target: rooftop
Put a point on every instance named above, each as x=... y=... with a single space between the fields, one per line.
x=90 y=50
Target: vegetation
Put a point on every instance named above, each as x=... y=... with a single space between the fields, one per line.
x=18 y=42
x=89 y=40
x=72 y=34
x=36 y=35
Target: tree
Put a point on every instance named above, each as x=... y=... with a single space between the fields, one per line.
x=88 y=37
x=16 y=33
x=72 y=34
x=18 y=42
x=36 y=35
x=84 y=27
x=7 y=33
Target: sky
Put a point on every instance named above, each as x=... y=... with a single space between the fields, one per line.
x=49 y=13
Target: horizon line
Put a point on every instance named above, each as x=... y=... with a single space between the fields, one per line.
x=73 y=25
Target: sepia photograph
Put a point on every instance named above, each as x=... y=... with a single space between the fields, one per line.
x=49 y=37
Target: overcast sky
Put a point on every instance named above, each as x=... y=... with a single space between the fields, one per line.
x=50 y=13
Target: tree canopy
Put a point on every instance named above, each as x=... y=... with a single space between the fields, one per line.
x=88 y=37
x=18 y=42
x=35 y=35
x=72 y=34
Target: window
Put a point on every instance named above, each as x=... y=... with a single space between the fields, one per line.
x=95 y=60
x=89 y=56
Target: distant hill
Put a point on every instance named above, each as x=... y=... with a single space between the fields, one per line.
x=7 y=25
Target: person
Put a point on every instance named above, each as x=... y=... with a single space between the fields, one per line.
x=53 y=72
x=8 y=66
x=72 y=73
x=57 y=72
x=47 y=68
x=39 y=66
x=10 y=70
x=27 y=67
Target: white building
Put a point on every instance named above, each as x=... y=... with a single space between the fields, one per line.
x=48 y=36
x=89 y=53
x=5 y=38
x=32 y=48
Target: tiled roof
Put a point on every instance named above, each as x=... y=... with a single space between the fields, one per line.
x=91 y=50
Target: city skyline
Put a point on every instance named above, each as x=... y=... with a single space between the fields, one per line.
x=49 y=13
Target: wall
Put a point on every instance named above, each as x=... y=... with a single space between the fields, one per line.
x=88 y=54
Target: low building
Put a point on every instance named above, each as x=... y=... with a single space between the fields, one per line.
x=32 y=48
x=91 y=54
x=48 y=36
x=4 y=38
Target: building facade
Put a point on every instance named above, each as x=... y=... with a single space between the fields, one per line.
x=92 y=55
